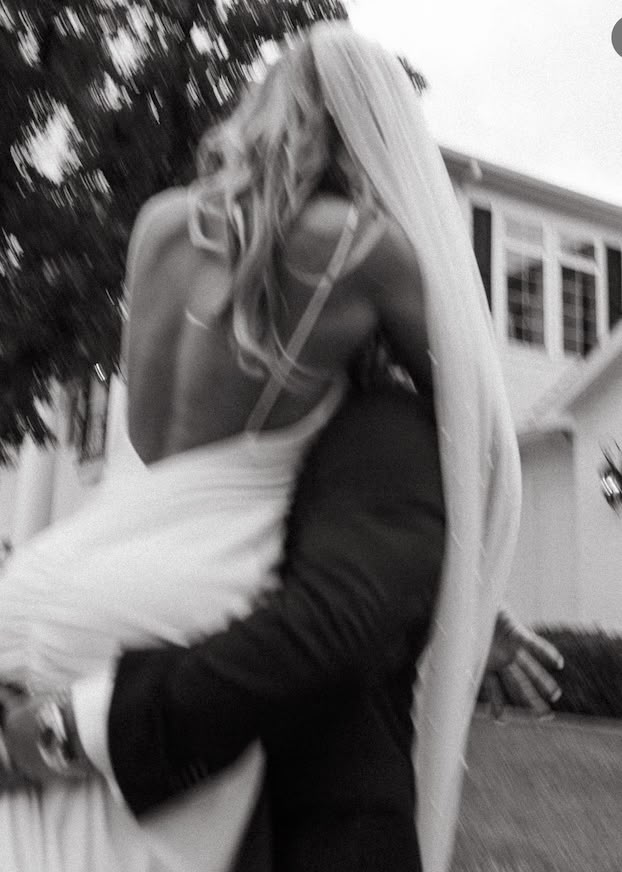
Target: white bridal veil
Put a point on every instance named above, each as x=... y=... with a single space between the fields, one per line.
x=377 y=112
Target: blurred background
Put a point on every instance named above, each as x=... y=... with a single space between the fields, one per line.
x=103 y=103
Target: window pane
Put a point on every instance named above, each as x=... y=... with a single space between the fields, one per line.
x=579 y=310
x=614 y=285
x=482 y=246
x=524 y=277
x=515 y=264
x=589 y=298
x=524 y=231
x=577 y=246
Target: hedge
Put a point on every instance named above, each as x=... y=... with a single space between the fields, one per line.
x=591 y=680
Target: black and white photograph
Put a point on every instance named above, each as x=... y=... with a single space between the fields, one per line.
x=310 y=436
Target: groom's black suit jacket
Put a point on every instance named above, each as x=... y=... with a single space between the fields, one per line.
x=322 y=670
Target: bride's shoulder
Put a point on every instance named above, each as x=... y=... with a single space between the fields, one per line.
x=391 y=257
x=320 y=226
x=162 y=213
x=160 y=221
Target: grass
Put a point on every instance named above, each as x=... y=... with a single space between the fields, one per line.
x=542 y=797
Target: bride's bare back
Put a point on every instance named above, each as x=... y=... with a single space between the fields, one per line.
x=185 y=386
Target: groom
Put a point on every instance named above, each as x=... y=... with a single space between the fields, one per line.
x=321 y=671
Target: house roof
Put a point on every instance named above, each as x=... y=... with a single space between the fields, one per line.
x=551 y=411
x=467 y=168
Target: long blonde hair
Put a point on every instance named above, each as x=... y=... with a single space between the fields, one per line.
x=277 y=149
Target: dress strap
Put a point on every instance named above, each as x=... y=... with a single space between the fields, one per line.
x=273 y=387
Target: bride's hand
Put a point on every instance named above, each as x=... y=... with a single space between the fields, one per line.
x=520 y=667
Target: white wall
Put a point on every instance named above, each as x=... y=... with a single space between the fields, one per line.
x=528 y=375
x=8 y=482
x=46 y=484
x=74 y=482
x=544 y=587
x=599 y=420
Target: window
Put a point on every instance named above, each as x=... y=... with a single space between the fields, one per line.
x=482 y=246
x=614 y=285
x=87 y=420
x=578 y=247
x=525 y=288
x=579 y=307
x=579 y=293
x=524 y=272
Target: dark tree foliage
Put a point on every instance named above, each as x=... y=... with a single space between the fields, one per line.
x=133 y=83
x=418 y=80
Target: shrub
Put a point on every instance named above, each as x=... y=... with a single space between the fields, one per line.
x=591 y=680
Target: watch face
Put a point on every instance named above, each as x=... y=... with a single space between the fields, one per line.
x=58 y=742
x=5 y=758
x=53 y=742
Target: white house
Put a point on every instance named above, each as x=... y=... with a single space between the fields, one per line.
x=551 y=263
x=550 y=260
x=569 y=557
x=46 y=484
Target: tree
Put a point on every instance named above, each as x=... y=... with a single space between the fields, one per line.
x=131 y=85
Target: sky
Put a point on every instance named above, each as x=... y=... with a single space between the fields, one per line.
x=533 y=85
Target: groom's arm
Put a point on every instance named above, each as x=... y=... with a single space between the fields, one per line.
x=363 y=556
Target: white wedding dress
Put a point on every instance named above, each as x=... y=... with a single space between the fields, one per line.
x=164 y=553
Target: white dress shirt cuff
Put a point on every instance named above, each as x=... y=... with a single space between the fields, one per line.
x=91 y=698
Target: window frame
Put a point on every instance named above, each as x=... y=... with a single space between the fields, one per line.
x=88 y=418
x=587 y=266
x=510 y=245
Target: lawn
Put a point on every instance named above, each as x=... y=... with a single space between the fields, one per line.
x=542 y=797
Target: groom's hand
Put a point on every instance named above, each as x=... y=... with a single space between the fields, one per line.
x=10 y=777
x=21 y=734
x=41 y=740
x=519 y=668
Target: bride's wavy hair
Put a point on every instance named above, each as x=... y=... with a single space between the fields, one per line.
x=276 y=150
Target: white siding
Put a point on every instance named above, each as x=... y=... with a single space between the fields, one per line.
x=599 y=421
x=46 y=484
x=8 y=483
x=544 y=583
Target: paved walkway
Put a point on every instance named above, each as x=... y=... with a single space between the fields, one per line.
x=542 y=796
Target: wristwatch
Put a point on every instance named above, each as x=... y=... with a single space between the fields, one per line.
x=58 y=741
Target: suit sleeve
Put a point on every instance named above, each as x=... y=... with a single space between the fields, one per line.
x=359 y=582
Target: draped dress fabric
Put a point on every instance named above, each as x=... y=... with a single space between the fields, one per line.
x=163 y=553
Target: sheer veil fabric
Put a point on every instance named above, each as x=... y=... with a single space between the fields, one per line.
x=377 y=112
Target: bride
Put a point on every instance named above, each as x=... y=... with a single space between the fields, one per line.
x=322 y=218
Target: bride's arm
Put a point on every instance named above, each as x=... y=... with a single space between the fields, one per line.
x=143 y=363
x=135 y=248
x=145 y=237
x=396 y=283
